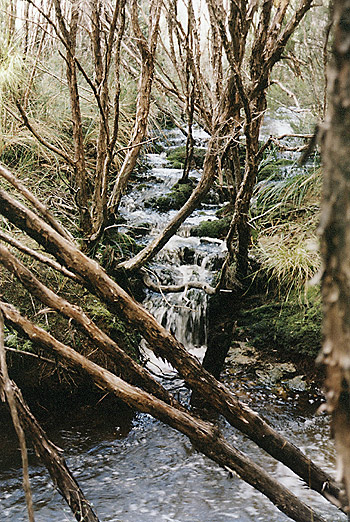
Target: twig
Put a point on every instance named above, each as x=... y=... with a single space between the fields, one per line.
x=23 y=352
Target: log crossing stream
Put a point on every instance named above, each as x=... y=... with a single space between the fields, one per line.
x=135 y=469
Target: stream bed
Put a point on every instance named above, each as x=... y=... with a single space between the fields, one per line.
x=135 y=469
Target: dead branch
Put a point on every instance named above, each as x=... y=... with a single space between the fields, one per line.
x=147 y=49
x=55 y=464
x=287 y=91
x=6 y=391
x=38 y=256
x=131 y=371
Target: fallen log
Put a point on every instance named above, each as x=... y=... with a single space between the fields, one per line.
x=131 y=371
x=23 y=418
x=204 y=436
x=166 y=346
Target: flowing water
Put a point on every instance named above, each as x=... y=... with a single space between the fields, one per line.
x=132 y=467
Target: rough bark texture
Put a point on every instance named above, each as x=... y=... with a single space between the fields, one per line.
x=147 y=49
x=166 y=346
x=335 y=228
x=204 y=436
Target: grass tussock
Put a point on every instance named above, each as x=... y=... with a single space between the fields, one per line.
x=289 y=257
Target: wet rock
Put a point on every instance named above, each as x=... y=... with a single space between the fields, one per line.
x=297 y=384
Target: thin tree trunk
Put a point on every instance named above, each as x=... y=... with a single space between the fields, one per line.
x=147 y=50
x=7 y=392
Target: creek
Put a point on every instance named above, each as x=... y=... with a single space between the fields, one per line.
x=135 y=469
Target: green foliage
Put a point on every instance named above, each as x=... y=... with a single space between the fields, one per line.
x=128 y=339
x=301 y=77
x=217 y=228
x=276 y=196
x=288 y=256
x=293 y=328
x=270 y=169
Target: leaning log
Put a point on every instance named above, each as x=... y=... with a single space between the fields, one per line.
x=129 y=369
x=166 y=346
x=204 y=436
x=55 y=463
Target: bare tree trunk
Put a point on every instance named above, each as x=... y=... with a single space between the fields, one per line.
x=69 y=36
x=147 y=51
x=335 y=228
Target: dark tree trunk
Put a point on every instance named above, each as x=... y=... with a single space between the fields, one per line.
x=335 y=228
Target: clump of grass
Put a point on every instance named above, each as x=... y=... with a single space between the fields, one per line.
x=299 y=192
x=292 y=328
x=289 y=257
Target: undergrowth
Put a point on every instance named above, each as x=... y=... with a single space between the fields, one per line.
x=292 y=328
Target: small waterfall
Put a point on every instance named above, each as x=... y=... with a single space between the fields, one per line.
x=185 y=258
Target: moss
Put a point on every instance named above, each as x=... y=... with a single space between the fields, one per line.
x=175 y=199
x=217 y=228
x=292 y=328
x=125 y=337
x=177 y=157
x=271 y=170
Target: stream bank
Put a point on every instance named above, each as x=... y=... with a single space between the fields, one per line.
x=150 y=472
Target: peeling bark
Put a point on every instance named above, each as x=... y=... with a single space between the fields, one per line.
x=335 y=228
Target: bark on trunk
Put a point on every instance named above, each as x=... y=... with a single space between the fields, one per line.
x=204 y=436
x=147 y=51
x=166 y=346
x=335 y=228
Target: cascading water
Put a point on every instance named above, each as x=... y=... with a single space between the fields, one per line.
x=136 y=469
x=182 y=260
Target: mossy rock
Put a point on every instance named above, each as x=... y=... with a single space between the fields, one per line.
x=175 y=199
x=292 y=328
x=177 y=157
x=217 y=228
x=272 y=170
